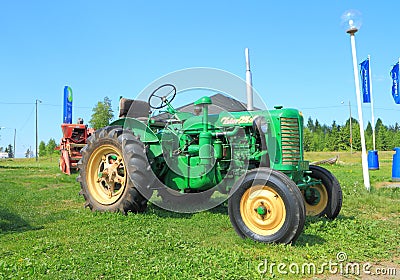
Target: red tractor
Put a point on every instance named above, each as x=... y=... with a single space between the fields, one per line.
x=73 y=140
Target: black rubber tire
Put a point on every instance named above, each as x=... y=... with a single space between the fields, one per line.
x=131 y=200
x=288 y=191
x=333 y=189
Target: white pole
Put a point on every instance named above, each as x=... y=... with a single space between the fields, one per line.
x=372 y=102
x=36 y=145
x=360 y=119
x=249 y=83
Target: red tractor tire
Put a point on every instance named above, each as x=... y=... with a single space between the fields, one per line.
x=65 y=162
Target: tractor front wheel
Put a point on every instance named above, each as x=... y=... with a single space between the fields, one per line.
x=267 y=206
x=105 y=182
x=324 y=199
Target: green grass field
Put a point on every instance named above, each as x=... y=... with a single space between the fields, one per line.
x=46 y=233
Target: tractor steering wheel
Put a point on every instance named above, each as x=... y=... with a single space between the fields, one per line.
x=166 y=93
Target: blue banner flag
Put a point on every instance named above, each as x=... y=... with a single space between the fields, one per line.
x=365 y=79
x=395 y=86
x=67 y=116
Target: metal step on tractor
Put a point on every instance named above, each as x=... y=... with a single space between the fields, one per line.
x=253 y=157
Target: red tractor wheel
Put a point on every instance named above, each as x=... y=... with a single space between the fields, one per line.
x=61 y=164
x=65 y=162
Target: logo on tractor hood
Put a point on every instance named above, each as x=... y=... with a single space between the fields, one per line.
x=241 y=120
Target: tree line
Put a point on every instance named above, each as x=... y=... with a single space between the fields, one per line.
x=336 y=137
x=47 y=149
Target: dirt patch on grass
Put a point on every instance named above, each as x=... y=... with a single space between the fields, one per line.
x=387 y=185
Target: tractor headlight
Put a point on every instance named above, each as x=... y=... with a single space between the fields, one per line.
x=260 y=124
x=264 y=127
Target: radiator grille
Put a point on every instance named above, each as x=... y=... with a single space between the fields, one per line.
x=290 y=141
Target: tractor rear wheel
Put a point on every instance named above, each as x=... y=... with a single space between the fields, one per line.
x=324 y=199
x=105 y=181
x=267 y=206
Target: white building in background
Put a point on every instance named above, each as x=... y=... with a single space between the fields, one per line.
x=3 y=155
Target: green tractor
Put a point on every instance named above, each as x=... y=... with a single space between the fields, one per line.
x=255 y=158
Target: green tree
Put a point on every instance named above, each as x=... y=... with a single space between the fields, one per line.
x=378 y=125
x=307 y=139
x=318 y=137
x=356 y=137
x=396 y=127
x=9 y=150
x=396 y=140
x=29 y=153
x=317 y=126
x=368 y=130
x=368 y=137
x=344 y=138
x=42 y=149
x=310 y=124
x=383 y=139
x=318 y=141
x=102 y=114
x=50 y=147
x=332 y=138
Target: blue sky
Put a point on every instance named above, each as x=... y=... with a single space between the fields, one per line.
x=300 y=55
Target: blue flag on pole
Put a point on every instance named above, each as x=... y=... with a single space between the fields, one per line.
x=395 y=86
x=67 y=117
x=365 y=78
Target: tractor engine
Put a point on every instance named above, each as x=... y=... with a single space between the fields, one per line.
x=202 y=151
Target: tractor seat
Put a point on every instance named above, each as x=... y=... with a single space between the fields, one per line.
x=130 y=108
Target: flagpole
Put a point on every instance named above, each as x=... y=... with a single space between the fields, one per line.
x=372 y=102
x=364 y=163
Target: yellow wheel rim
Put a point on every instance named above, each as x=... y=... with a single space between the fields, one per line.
x=315 y=208
x=106 y=174
x=263 y=210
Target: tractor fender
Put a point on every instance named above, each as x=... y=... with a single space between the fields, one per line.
x=143 y=131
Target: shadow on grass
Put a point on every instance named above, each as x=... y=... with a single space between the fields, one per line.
x=313 y=220
x=19 y=167
x=220 y=209
x=344 y=218
x=12 y=167
x=163 y=213
x=307 y=240
x=11 y=222
x=183 y=212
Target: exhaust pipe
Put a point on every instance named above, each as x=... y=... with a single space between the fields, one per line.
x=249 y=83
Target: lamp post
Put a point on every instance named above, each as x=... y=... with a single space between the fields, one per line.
x=352 y=21
x=15 y=136
x=37 y=100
